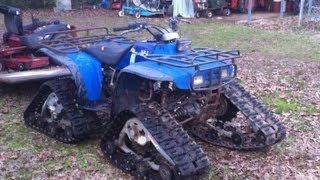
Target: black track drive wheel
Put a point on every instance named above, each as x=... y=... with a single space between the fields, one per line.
x=226 y=110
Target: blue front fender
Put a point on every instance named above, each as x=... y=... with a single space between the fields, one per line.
x=159 y=72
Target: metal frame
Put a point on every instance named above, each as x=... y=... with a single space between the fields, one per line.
x=198 y=57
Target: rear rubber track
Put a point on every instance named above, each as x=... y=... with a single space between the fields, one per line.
x=81 y=123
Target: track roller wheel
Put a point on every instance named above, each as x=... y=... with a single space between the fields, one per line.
x=226 y=110
x=166 y=172
x=237 y=138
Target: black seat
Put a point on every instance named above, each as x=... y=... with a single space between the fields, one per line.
x=109 y=53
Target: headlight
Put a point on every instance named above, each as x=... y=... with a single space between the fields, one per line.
x=224 y=73
x=197 y=80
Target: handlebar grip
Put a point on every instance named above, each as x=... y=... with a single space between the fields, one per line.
x=121 y=29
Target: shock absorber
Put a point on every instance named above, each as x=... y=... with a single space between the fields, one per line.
x=165 y=91
x=191 y=109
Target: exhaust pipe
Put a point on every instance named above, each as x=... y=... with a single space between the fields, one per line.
x=32 y=75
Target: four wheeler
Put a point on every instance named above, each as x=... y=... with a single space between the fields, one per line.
x=140 y=8
x=208 y=7
x=154 y=94
x=20 y=42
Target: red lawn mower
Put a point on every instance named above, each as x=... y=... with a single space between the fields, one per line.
x=20 y=44
x=117 y=4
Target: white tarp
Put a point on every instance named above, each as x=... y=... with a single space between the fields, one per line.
x=63 y=5
x=183 y=8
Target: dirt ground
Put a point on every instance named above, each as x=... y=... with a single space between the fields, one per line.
x=290 y=87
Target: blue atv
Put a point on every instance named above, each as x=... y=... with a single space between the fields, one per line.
x=149 y=97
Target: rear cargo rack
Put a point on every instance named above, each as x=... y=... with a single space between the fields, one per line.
x=197 y=57
x=73 y=41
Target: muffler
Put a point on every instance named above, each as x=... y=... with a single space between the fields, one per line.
x=33 y=75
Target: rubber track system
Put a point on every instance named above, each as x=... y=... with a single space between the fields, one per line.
x=268 y=130
x=65 y=90
x=189 y=159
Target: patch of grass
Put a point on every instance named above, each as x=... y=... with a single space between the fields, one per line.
x=301 y=124
x=281 y=105
x=23 y=174
x=81 y=158
x=287 y=143
x=16 y=136
x=310 y=110
x=248 y=39
x=284 y=106
x=224 y=172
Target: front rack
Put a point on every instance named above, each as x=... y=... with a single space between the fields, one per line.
x=197 y=57
x=73 y=41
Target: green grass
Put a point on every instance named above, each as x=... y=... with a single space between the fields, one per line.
x=24 y=174
x=281 y=105
x=16 y=137
x=246 y=39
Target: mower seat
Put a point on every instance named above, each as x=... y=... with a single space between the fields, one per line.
x=36 y=23
x=109 y=53
x=32 y=40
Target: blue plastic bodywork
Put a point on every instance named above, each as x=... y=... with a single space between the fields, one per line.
x=182 y=77
x=146 y=48
x=90 y=69
x=87 y=72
